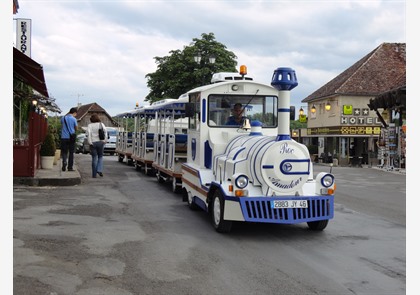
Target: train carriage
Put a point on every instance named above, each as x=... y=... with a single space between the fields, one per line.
x=144 y=130
x=170 y=141
x=124 y=139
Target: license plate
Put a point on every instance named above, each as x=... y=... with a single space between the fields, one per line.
x=282 y=204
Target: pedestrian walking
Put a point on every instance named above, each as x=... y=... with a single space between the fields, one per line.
x=68 y=139
x=96 y=135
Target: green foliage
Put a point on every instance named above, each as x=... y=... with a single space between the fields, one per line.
x=48 y=147
x=54 y=124
x=178 y=72
x=296 y=124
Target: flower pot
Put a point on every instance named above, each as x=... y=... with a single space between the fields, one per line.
x=47 y=162
x=57 y=156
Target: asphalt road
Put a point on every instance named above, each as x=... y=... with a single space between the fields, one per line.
x=371 y=191
x=127 y=234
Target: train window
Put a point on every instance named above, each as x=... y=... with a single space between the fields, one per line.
x=261 y=108
x=194 y=120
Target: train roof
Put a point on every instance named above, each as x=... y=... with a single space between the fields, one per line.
x=128 y=114
x=168 y=105
x=228 y=82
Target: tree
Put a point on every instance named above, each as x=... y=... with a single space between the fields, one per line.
x=296 y=124
x=178 y=72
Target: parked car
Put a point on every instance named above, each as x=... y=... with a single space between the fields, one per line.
x=79 y=142
x=110 y=145
x=85 y=147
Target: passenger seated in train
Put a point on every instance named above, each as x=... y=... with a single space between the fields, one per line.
x=236 y=119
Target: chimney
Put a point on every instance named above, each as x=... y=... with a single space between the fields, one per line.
x=284 y=80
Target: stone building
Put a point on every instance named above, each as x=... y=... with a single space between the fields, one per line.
x=85 y=111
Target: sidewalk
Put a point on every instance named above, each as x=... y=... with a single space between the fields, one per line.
x=50 y=177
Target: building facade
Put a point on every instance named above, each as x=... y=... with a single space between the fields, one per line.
x=342 y=120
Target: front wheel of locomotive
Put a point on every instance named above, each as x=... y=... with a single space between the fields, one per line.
x=318 y=225
x=217 y=212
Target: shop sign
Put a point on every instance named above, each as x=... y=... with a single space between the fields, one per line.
x=345 y=130
x=303 y=119
x=23 y=36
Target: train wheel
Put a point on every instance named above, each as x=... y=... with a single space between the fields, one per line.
x=318 y=225
x=175 y=187
x=159 y=178
x=217 y=212
x=138 y=167
x=193 y=206
x=120 y=158
x=151 y=171
x=148 y=170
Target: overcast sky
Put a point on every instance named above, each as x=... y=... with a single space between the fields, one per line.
x=100 y=51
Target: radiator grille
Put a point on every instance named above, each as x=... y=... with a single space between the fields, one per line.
x=259 y=210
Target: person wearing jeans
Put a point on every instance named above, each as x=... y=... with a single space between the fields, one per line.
x=68 y=126
x=96 y=144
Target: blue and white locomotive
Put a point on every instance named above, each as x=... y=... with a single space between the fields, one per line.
x=250 y=172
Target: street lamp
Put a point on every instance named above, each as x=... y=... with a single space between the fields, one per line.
x=328 y=106
x=301 y=112
x=302 y=116
x=211 y=60
x=197 y=57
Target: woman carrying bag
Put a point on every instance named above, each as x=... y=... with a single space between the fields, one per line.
x=97 y=135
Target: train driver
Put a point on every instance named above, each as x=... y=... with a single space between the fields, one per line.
x=236 y=119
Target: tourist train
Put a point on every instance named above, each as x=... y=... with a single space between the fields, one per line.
x=251 y=171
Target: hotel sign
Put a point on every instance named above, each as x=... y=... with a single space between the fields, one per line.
x=357 y=116
x=23 y=35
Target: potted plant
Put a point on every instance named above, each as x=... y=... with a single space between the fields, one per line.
x=56 y=136
x=47 y=151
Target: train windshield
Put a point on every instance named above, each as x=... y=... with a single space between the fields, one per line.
x=231 y=110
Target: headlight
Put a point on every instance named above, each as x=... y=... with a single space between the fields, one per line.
x=241 y=181
x=327 y=180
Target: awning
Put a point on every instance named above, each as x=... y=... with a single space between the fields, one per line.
x=29 y=71
x=394 y=99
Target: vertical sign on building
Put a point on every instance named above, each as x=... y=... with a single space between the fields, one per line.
x=23 y=35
